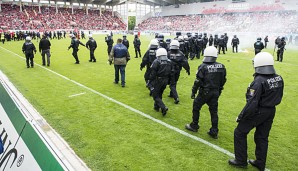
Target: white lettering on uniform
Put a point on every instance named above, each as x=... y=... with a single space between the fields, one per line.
x=214 y=67
x=273 y=82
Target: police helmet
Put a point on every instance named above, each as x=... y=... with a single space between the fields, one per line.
x=283 y=38
x=154 y=43
x=205 y=34
x=124 y=35
x=180 y=38
x=263 y=63
x=160 y=37
x=161 y=52
x=28 y=38
x=90 y=36
x=136 y=36
x=235 y=36
x=259 y=39
x=168 y=41
x=185 y=37
x=178 y=33
x=174 y=45
x=210 y=54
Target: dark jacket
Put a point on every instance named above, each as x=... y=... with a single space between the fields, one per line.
x=44 y=44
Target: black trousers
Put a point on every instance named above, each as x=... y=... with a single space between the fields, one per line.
x=235 y=47
x=280 y=55
x=92 y=57
x=221 y=47
x=209 y=97
x=198 y=50
x=109 y=50
x=173 y=85
x=257 y=51
x=75 y=55
x=137 y=51
x=159 y=86
x=29 y=58
x=263 y=122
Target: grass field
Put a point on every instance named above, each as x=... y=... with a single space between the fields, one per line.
x=108 y=136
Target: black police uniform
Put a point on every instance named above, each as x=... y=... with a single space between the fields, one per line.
x=210 y=80
x=187 y=48
x=91 y=45
x=263 y=94
x=205 y=42
x=259 y=46
x=281 y=49
x=221 y=45
x=216 y=41
x=163 y=44
x=211 y=40
x=75 y=43
x=147 y=61
x=160 y=76
x=137 y=44
x=199 y=46
x=226 y=39
x=178 y=61
x=109 y=40
x=125 y=42
x=235 y=43
x=192 y=46
x=28 y=48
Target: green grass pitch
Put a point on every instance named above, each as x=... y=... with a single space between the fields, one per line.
x=108 y=136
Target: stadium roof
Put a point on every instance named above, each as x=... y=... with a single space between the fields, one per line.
x=147 y=2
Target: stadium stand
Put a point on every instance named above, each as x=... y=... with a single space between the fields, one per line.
x=30 y=19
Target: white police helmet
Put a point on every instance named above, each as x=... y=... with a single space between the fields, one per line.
x=161 y=52
x=185 y=37
x=28 y=38
x=210 y=54
x=263 y=63
x=153 y=43
x=90 y=36
x=174 y=44
x=180 y=38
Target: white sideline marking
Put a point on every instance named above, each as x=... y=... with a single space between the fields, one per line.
x=137 y=111
x=77 y=94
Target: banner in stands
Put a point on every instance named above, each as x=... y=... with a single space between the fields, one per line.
x=24 y=146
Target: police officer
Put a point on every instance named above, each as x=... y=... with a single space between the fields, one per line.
x=226 y=39
x=91 y=45
x=205 y=42
x=186 y=46
x=125 y=42
x=199 y=45
x=262 y=95
x=181 y=44
x=161 y=41
x=160 y=76
x=235 y=42
x=109 y=40
x=178 y=61
x=281 y=49
x=44 y=49
x=28 y=48
x=137 y=44
x=277 y=41
x=120 y=56
x=211 y=40
x=147 y=61
x=266 y=41
x=221 y=44
x=192 y=42
x=168 y=42
x=75 y=43
x=83 y=35
x=210 y=80
x=216 y=41
x=259 y=46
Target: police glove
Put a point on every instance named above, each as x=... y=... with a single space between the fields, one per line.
x=141 y=68
x=110 y=62
x=188 y=72
x=238 y=119
x=193 y=95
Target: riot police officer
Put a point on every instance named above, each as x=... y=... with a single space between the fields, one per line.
x=226 y=39
x=210 y=40
x=192 y=45
x=91 y=45
x=109 y=40
x=235 y=42
x=168 y=42
x=199 y=45
x=147 y=61
x=216 y=41
x=161 y=41
x=28 y=49
x=266 y=41
x=75 y=43
x=137 y=44
x=262 y=95
x=186 y=46
x=125 y=42
x=221 y=44
x=181 y=44
x=259 y=46
x=178 y=61
x=281 y=49
x=205 y=42
x=160 y=76
x=210 y=80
